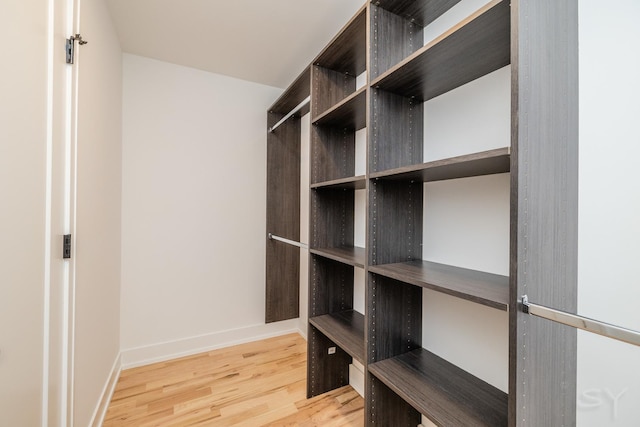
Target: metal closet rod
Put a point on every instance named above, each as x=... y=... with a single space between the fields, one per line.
x=291 y=113
x=590 y=325
x=287 y=241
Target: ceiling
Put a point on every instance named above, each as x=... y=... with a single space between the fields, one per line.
x=264 y=41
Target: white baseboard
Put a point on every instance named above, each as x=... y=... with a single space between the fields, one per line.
x=356 y=377
x=107 y=392
x=302 y=326
x=161 y=352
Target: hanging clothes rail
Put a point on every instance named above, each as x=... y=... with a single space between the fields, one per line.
x=287 y=241
x=590 y=325
x=291 y=113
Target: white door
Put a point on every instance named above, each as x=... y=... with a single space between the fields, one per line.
x=34 y=212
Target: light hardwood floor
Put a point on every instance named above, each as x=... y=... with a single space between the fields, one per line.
x=256 y=384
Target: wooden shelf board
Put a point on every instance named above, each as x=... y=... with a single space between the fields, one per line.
x=352 y=182
x=351 y=255
x=476 y=164
x=476 y=286
x=346 y=329
x=441 y=391
x=347 y=52
x=422 y=12
x=349 y=113
x=294 y=95
x=475 y=47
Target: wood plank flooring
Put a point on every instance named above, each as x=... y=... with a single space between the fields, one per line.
x=262 y=383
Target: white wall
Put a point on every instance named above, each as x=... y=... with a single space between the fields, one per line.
x=609 y=208
x=193 y=210
x=97 y=233
x=23 y=144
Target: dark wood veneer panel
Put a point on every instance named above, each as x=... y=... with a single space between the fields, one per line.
x=394 y=320
x=332 y=217
x=283 y=219
x=351 y=255
x=333 y=154
x=393 y=38
x=325 y=371
x=395 y=221
x=294 y=95
x=469 y=165
x=545 y=171
x=282 y=281
x=446 y=394
x=352 y=183
x=331 y=286
x=345 y=328
x=346 y=53
x=329 y=88
x=422 y=12
x=394 y=327
x=385 y=408
x=396 y=131
x=483 y=288
x=350 y=113
x=470 y=50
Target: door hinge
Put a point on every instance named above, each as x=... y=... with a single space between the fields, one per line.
x=66 y=246
x=70 y=47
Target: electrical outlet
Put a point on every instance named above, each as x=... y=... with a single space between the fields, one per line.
x=332 y=350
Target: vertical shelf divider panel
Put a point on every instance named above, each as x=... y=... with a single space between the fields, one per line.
x=282 y=285
x=393 y=38
x=332 y=212
x=333 y=153
x=328 y=371
x=545 y=105
x=331 y=291
x=395 y=221
x=332 y=287
x=396 y=133
x=332 y=87
x=394 y=316
x=397 y=29
x=338 y=110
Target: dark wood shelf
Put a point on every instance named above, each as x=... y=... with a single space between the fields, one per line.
x=346 y=329
x=446 y=394
x=347 y=52
x=475 y=47
x=350 y=113
x=351 y=255
x=477 y=286
x=476 y=164
x=297 y=92
x=352 y=183
x=422 y=12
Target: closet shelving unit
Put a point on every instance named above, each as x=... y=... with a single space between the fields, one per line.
x=385 y=39
x=338 y=111
x=405 y=380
